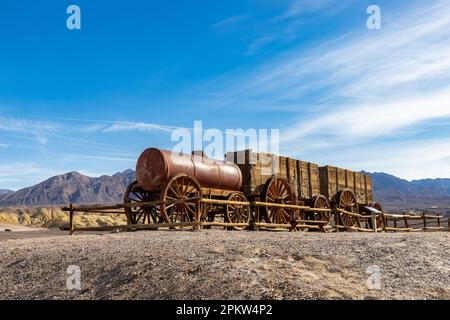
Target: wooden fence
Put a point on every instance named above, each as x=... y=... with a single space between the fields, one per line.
x=392 y=222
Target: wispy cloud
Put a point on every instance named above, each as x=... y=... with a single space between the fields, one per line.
x=360 y=64
x=413 y=159
x=37 y=129
x=23 y=173
x=229 y=22
x=299 y=7
x=139 y=126
x=373 y=120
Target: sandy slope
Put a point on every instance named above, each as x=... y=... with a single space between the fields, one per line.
x=227 y=265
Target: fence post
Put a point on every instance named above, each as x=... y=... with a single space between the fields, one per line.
x=374 y=222
x=256 y=219
x=405 y=219
x=198 y=215
x=424 y=221
x=71 y=219
x=336 y=219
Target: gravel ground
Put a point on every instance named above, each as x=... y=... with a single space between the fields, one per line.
x=217 y=264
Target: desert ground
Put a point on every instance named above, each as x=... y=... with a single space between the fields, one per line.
x=219 y=264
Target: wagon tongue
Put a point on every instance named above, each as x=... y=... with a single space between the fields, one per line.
x=372 y=210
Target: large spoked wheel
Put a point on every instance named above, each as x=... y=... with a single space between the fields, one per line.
x=379 y=219
x=140 y=215
x=346 y=200
x=277 y=190
x=184 y=190
x=236 y=213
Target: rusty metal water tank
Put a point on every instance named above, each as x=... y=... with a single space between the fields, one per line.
x=156 y=166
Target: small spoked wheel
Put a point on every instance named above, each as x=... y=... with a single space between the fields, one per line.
x=277 y=190
x=346 y=200
x=140 y=215
x=179 y=196
x=320 y=202
x=379 y=219
x=236 y=213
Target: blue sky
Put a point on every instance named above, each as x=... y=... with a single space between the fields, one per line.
x=91 y=100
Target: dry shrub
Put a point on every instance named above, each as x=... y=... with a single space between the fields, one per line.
x=55 y=218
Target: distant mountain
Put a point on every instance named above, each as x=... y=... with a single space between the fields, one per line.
x=5 y=191
x=395 y=193
x=72 y=187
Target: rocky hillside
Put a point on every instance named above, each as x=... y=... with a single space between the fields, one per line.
x=72 y=187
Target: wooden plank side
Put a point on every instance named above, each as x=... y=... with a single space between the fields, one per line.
x=341 y=179
x=332 y=181
x=305 y=186
x=293 y=176
x=328 y=183
x=314 y=180
x=350 y=180
x=363 y=196
x=358 y=184
x=298 y=166
x=369 y=188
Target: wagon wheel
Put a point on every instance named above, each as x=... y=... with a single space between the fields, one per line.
x=320 y=202
x=379 y=219
x=277 y=190
x=181 y=187
x=347 y=201
x=237 y=213
x=140 y=215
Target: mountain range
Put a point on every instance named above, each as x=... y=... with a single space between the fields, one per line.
x=71 y=187
x=394 y=193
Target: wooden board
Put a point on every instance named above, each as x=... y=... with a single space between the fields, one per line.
x=314 y=179
x=341 y=179
x=369 y=188
x=328 y=181
x=257 y=168
x=350 y=180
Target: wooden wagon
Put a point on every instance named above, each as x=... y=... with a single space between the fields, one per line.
x=279 y=186
x=350 y=194
x=276 y=179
